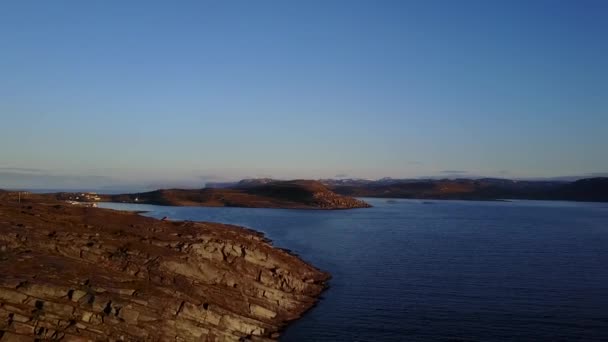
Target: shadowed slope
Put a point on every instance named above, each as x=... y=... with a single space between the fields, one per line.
x=591 y=189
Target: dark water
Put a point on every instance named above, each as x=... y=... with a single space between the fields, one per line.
x=450 y=270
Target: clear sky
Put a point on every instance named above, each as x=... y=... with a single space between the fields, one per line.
x=179 y=92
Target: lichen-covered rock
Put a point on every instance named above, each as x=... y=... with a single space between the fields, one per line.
x=77 y=273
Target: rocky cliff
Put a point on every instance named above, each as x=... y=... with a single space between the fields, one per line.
x=78 y=273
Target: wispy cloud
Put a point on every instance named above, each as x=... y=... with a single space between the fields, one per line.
x=341 y=175
x=41 y=180
x=21 y=169
x=459 y=172
x=211 y=178
x=597 y=174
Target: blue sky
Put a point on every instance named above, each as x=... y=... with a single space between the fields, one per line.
x=164 y=92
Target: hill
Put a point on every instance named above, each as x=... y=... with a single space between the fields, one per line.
x=296 y=194
x=590 y=189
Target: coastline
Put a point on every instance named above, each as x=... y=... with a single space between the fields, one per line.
x=296 y=194
x=220 y=281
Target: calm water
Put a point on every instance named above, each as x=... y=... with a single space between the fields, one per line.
x=450 y=270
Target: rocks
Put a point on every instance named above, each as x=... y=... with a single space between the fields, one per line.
x=331 y=200
x=88 y=274
x=261 y=311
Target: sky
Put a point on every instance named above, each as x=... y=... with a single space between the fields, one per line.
x=162 y=93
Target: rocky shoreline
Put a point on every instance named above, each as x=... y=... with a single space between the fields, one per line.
x=80 y=273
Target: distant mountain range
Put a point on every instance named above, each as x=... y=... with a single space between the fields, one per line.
x=339 y=193
x=588 y=189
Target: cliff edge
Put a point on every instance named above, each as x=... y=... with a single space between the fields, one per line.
x=88 y=274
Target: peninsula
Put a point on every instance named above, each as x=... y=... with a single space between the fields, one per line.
x=81 y=273
x=296 y=194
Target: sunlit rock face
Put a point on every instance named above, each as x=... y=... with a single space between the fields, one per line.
x=87 y=273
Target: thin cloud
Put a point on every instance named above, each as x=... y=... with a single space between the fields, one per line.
x=21 y=169
x=33 y=180
x=211 y=178
x=597 y=174
x=453 y=172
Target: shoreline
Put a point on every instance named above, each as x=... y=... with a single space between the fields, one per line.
x=225 y=281
x=305 y=208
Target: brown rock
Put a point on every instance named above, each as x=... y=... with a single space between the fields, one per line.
x=81 y=273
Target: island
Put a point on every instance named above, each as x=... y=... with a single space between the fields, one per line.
x=79 y=273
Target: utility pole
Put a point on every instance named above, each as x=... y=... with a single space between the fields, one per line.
x=19 y=192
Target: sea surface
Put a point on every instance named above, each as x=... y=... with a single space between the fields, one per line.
x=412 y=270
